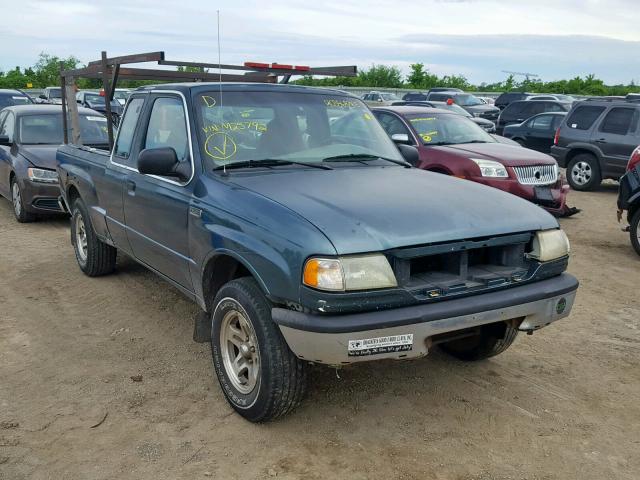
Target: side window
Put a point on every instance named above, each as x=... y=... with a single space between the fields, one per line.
x=168 y=127
x=128 y=128
x=583 y=117
x=543 y=122
x=8 y=126
x=557 y=120
x=514 y=109
x=3 y=115
x=391 y=124
x=617 y=121
x=535 y=107
x=633 y=128
x=554 y=107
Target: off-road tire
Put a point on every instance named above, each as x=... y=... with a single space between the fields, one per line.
x=281 y=379
x=589 y=161
x=99 y=258
x=492 y=340
x=634 y=231
x=19 y=211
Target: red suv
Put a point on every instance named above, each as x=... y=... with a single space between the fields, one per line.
x=452 y=144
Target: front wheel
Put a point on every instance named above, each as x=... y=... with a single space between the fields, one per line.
x=634 y=231
x=20 y=213
x=583 y=172
x=492 y=340
x=260 y=377
x=94 y=257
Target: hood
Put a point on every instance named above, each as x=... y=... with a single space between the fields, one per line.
x=484 y=108
x=42 y=156
x=508 y=155
x=368 y=209
x=482 y=121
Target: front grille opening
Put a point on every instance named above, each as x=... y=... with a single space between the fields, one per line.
x=461 y=270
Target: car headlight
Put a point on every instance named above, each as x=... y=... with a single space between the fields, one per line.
x=549 y=245
x=489 y=168
x=358 y=272
x=42 y=176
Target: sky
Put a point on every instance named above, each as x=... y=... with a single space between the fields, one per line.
x=476 y=38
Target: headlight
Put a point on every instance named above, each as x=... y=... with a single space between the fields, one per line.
x=489 y=168
x=42 y=176
x=362 y=272
x=549 y=245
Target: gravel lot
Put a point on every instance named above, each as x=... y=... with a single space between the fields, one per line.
x=99 y=379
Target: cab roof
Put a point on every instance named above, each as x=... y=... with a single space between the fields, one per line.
x=200 y=87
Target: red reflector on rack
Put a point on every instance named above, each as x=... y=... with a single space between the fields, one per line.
x=256 y=65
x=302 y=67
x=282 y=67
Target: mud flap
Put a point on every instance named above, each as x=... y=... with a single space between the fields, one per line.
x=202 y=328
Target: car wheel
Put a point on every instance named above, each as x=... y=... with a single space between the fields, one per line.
x=583 y=172
x=634 y=231
x=94 y=257
x=18 y=204
x=260 y=377
x=492 y=340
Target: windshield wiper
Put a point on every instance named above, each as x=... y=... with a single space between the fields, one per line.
x=475 y=141
x=269 y=162
x=363 y=157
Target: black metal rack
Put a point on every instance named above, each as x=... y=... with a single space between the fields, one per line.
x=110 y=70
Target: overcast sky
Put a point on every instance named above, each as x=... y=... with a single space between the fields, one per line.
x=476 y=38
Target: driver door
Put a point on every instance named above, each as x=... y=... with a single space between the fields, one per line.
x=156 y=209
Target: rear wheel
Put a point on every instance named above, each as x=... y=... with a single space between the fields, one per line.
x=583 y=172
x=492 y=340
x=260 y=377
x=18 y=204
x=94 y=257
x=634 y=231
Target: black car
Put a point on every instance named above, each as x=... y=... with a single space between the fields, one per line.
x=536 y=133
x=10 y=97
x=96 y=101
x=29 y=138
x=487 y=125
x=596 y=140
x=518 y=112
x=469 y=102
x=506 y=98
x=415 y=97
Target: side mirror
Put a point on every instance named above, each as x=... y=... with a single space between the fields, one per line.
x=42 y=96
x=4 y=140
x=162 y=161
x=409 y=153
x=401 y=138
x=380 y=100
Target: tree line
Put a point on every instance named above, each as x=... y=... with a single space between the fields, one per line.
x=46 y=72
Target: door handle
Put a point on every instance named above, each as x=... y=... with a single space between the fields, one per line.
x=601 y=140
x=131 y=187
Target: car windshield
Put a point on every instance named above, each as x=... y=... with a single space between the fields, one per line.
x=443 y=129
x=94 y=98
x=389 y=97
x=55 y=93
x=303 y=127
x=565 y=98
x=120 y=95
x=46 y=129
x=10 y=100
x=468 y=100
x=454 y=108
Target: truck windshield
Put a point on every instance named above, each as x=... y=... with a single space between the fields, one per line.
x=47 y=129
x=303 y=127
x=447 y=129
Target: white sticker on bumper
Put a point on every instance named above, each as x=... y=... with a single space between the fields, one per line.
x=375 y=346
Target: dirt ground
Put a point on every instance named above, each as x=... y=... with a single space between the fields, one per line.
x=561 y=404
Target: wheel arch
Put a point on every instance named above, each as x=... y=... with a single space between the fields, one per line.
x=220 y=268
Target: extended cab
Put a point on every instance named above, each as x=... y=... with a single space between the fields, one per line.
x=291 y=218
